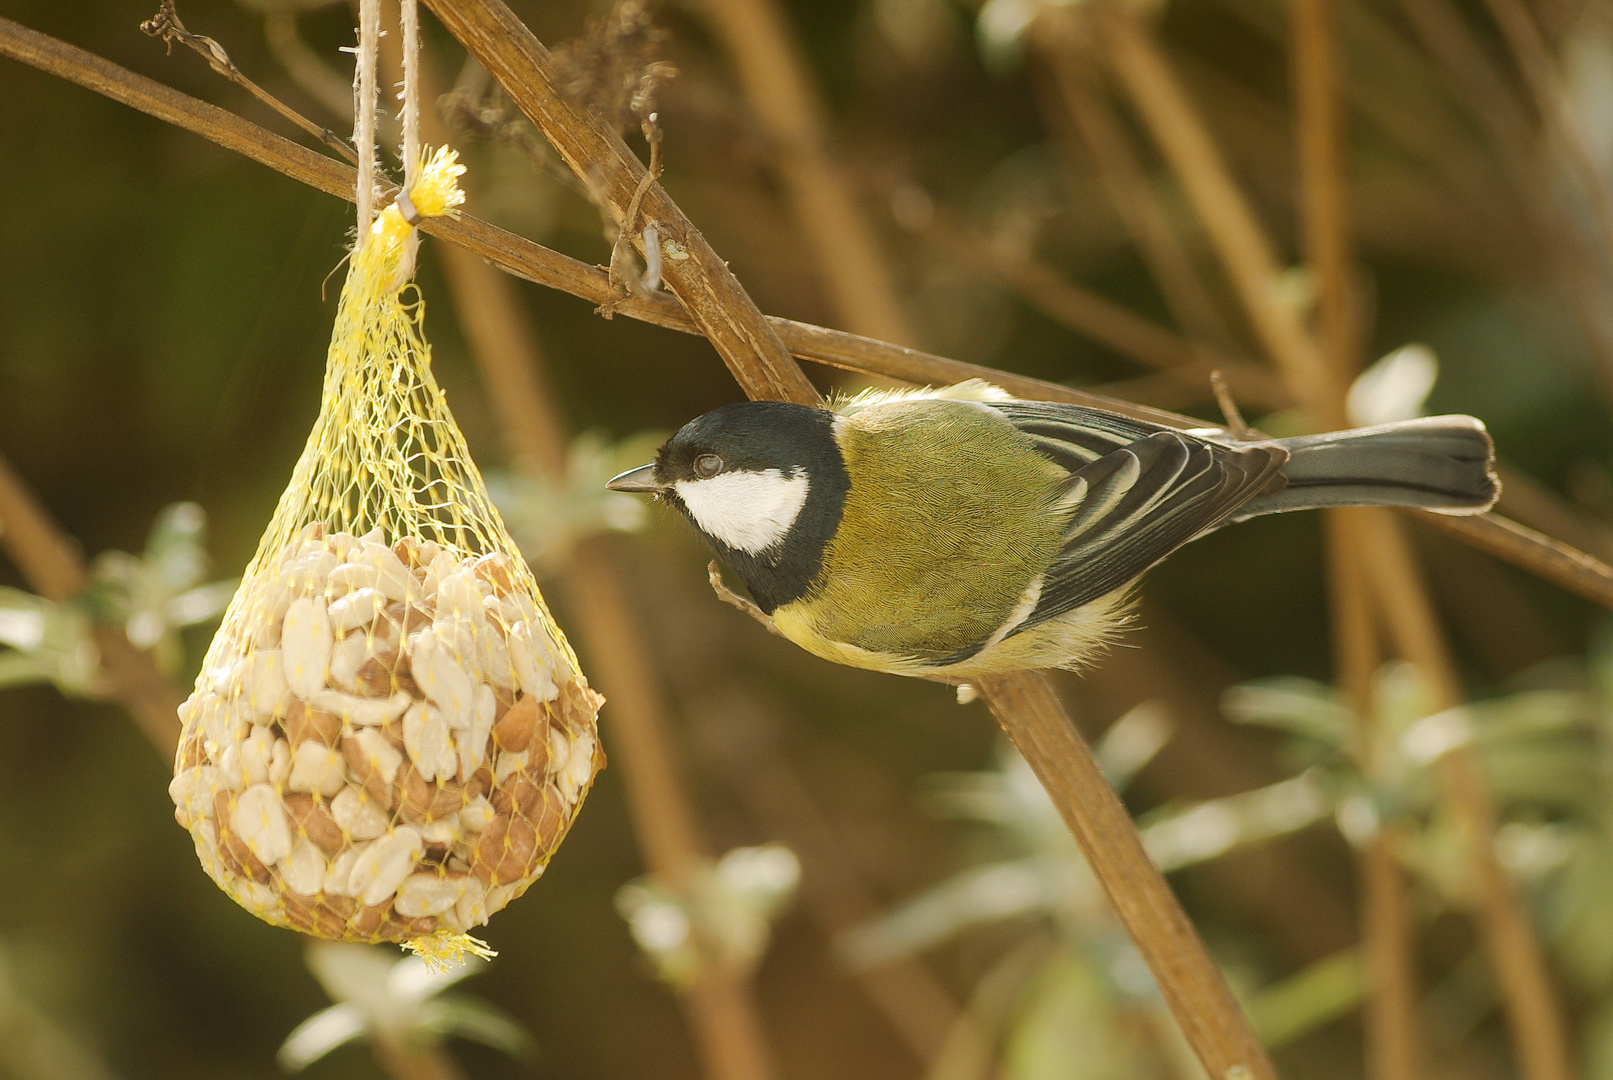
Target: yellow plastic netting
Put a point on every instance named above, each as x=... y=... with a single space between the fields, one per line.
x=389 y=736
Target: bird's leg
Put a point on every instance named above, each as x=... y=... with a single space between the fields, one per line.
x=729 y=596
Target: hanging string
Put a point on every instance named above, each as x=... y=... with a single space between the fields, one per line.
x=411 y=93
x=369 y=42
x=410 y=116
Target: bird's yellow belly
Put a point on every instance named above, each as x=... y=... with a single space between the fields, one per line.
x=1069 y=641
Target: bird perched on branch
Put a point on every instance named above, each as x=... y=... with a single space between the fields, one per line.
x=961 y=532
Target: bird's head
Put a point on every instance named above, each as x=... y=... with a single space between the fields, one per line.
x=764 y=482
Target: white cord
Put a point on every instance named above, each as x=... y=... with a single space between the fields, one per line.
x=410 y=12
x=411 y=93
x=369 y=40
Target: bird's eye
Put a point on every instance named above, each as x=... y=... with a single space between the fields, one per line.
x=707 y=465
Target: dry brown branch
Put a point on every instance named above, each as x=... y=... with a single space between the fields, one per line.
x=1318 y=125
x=1579 y=573
x=51 y=564
x=167 y=26
x=1556 y=562
x=1528 y=997
x=1450 y=40
x=720 y=1006
x=1531 y=503
x=1024 y=704
x=1395 y=1046
x=831 y=225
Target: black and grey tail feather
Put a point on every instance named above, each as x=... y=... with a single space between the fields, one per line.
x=1440 y=463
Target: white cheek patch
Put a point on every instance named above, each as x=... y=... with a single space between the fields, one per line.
x=750 y=511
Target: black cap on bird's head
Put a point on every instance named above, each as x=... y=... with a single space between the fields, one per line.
x=765 y=484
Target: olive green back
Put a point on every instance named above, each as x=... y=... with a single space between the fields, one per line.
x=946 y=524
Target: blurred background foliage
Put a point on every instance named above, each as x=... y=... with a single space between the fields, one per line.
x=164 y=311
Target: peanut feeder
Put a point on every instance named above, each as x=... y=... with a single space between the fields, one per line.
x=389 y=736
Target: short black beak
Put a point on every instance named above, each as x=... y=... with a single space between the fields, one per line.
x=641 y=479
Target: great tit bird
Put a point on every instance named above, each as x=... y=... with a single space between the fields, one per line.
x=962 y=532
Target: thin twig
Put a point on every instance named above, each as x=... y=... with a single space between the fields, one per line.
x=1553 y=560
x=833 y=893
x=1527 y=994
x=1229 y=407
x=166 y=25
x=624 y=284
x=1559 y=563
x=1579 y=264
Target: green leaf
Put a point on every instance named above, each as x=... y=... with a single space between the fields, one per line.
x=1308 y=999
x=980 y=895
x=320 y=1034
x=470 y=1018
x=1068 y=1027
x=1300 y=706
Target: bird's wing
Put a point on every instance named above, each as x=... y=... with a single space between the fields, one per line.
x=1134 y=505
x=1073 y=435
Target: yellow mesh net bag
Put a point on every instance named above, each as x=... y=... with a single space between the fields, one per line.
x=389 y=736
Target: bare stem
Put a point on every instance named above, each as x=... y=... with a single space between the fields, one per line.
x=1324 y=200
x=166 y=25
x=1394 y=1047
x=1534 y=60
x=833 y=893
x=1528 y=996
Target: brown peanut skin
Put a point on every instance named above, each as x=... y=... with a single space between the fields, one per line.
x=368 y=776
x=517 y=728
x=314 y=821
x=303 y=723
x=428 y=800
x=237 y=856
